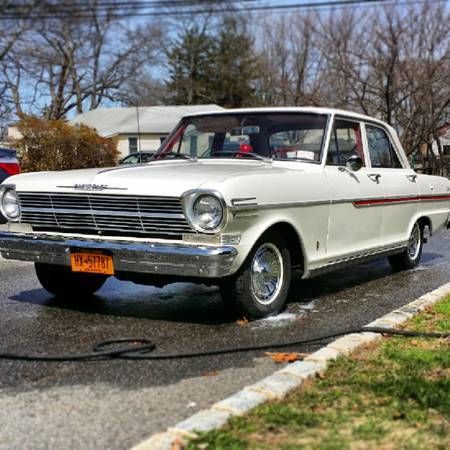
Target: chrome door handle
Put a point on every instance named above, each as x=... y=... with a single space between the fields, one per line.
x=412 y=178
x=374 y=177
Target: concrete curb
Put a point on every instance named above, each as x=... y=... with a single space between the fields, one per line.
x=283 y=381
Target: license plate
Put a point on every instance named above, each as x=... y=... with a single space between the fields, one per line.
x=92 y=263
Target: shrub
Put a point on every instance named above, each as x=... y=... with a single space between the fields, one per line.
x=57 y=145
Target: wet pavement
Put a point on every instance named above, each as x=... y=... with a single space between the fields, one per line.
x=115 y=404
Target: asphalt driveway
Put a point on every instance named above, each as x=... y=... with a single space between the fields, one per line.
x=116 y=404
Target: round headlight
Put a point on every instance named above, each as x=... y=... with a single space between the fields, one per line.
x=207 y=212
x=10 y=205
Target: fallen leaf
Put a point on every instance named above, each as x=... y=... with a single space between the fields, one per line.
x=210 y=374
x=177 y=444
x=281 y=357
x=242 y=321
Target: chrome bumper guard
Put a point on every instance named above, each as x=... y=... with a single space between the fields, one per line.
x=159 y=259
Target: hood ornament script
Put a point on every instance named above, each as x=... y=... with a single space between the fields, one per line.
x=93 y=187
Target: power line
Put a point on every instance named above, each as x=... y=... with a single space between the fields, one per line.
x=16 y=8
x=42 y=8
x=134 y=9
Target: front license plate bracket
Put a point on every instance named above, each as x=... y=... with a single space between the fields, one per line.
x=91 y=262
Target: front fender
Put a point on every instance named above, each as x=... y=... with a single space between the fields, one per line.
x=309 y=223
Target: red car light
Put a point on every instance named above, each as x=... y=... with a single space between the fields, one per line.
x=245 y=148
x=10 y=168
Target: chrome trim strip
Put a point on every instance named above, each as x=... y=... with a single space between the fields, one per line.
x=103 y=212
x=280 y=205
x=427 y=198
x=374 y=251
x=162 y=259
x=93 y=187
x=249 y=201
x=358 y=258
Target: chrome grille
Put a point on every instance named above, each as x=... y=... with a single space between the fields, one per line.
x=104 y=214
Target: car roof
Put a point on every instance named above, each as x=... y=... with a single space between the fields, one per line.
x=291 y=109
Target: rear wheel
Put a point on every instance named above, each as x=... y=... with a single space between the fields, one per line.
x=62 y=282
x=261 y=286
x=410 y=257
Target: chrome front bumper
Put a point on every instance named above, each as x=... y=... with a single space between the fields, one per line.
x=162 y=259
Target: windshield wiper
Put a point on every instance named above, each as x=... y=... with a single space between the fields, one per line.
x=173 y=154
x=230 y=152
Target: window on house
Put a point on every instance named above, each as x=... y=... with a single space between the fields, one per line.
x=132 y=145
x=446 y=150
x=382 y=153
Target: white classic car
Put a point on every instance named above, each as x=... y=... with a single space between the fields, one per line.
x=239 y=199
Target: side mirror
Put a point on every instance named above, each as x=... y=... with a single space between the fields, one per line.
x=354 y=163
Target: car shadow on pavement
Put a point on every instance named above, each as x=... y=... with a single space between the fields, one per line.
x=197 y=304
x=188 y=305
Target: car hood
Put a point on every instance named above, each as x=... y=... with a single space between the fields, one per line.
x=165 y=178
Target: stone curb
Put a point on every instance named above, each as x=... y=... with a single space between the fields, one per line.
x=283 y=381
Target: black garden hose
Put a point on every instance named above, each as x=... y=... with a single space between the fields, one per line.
x=142 y=348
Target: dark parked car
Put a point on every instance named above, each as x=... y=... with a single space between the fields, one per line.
x=137 y=158
x=8 y=163
x=8 y=166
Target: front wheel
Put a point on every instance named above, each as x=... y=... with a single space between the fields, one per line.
x=261 y=286
x=62 y=282
x=410 y=257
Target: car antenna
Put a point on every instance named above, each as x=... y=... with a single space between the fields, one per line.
x=138 y=132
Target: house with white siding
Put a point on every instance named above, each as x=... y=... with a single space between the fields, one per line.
x=140 y=128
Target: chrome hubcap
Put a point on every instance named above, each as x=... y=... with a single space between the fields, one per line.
x=267 y=273
x=414 y=242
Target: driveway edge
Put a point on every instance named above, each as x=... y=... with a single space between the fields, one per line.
x=283 y=381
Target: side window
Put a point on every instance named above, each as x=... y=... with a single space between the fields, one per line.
x=345 y=142
x=382 y=153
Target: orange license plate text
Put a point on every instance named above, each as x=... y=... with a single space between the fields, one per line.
x=92 y=263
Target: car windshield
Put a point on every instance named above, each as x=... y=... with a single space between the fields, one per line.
x=280 y=136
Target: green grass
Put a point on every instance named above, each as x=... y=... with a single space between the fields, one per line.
x=393 y=395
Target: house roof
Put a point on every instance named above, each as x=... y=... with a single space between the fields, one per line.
x=152 y=119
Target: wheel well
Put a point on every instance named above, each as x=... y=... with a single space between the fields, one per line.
x=425 y=222
x=293 y=241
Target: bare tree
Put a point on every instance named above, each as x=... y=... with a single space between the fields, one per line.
x=77 y=63
x=292 y=61
x=11 y=32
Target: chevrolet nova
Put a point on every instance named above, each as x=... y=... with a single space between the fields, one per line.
x=240 y=199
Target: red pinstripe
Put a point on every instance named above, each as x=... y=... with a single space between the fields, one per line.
x=386 y=201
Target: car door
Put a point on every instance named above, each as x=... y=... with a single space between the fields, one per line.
x=352 y=229
x=399 y=184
